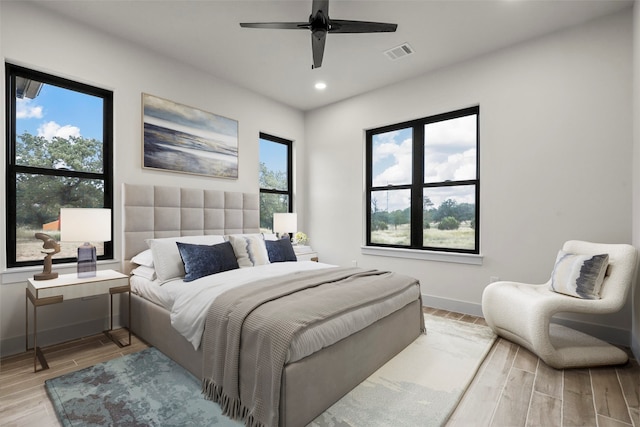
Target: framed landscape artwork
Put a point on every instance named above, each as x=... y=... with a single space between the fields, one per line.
x=183 y=139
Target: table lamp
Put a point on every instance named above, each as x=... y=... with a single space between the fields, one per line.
x=285 y=223
x=85 y=225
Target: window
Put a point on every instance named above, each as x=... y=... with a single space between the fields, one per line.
x=59 y=155
x=276 y=189
x=423 y=183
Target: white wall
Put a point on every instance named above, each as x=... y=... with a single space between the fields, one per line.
x=44 y=41
x=635 y=337
x=555 y=155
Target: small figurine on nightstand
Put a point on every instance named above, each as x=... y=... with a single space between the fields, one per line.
x=49 y=243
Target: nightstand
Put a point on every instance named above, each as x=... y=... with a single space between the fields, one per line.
x=305 y=253
x=70 y=286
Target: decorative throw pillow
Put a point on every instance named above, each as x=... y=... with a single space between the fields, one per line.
x=579 y=275
x=205 y=260
x=250 y=249
x=166 y=258
x=280 y=250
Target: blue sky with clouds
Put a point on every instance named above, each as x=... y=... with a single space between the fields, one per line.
x=450 y=155
x=60 y=112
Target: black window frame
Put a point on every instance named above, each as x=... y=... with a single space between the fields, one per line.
x=289 y=192
x=417 y=186
x=12 y=169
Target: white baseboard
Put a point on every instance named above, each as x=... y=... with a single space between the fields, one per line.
x=606 y=333
x=47 y=337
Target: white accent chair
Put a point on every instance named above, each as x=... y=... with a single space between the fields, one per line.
x=522 y=312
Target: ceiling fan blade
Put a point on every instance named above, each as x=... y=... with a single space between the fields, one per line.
x=322 y=5
x=276 y=25
x=317 y=46
x=345 y=26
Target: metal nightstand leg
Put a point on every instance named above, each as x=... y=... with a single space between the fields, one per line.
x=38 y=355
x=109 y=332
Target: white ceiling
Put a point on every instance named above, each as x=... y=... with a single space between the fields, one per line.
x=277 y=63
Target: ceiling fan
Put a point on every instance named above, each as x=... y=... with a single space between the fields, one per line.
x=320 y=24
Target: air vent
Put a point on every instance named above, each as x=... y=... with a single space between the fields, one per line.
x=399 y=51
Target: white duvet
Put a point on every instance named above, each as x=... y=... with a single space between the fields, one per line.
x=191 y=300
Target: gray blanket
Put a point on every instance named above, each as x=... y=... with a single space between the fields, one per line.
x=262 y=320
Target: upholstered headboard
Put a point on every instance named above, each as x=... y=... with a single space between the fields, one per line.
x=152 y=211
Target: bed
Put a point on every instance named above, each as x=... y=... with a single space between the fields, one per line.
x=309 y=385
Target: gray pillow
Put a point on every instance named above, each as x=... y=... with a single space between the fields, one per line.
x=579 y=276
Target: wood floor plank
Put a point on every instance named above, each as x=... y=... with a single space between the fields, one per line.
x=635 y=417
x=548 y=381
x=610 y=422
x=468 y=318
x=608 y=395
x=514 y=402
x=545 y=411
x=30 y=379
x=14 y=411
x=526 y=360
x=577 y=399
x=486 y=387
x=629 y=377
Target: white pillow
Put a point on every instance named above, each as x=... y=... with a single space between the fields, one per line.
x=166 y=257
x=579 y=276
x=250 y=249
x=144 y=271
x=270 y=236
x=143 y=258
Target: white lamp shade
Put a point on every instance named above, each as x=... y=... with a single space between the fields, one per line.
x=285 y=222
x=85 y=225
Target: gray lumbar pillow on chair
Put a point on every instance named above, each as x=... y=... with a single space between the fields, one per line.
x=579 y=275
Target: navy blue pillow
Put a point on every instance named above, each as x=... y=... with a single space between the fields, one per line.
x=204 y=260
x=280 y=250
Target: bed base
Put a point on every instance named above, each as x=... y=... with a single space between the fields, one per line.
x=310 y=385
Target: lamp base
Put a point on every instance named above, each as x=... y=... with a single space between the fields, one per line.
x=87 y=260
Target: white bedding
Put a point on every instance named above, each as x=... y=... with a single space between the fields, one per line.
x=190 y=301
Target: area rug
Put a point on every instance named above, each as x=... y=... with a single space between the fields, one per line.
x=420 y=386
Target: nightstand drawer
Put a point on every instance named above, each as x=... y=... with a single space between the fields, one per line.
x=70 y=286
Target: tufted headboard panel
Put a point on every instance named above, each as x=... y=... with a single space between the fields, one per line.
x=152 y=211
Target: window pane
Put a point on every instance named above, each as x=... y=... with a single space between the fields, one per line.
x=449 y=217
x=450 y=150
x=391 y=217
x=392 y=157
x=273 y=165
x=38 y=202
x=58 y=128
x=269 y=204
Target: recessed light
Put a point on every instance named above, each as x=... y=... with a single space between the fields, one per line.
x=321 y=85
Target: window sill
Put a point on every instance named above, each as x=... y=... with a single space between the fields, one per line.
x=22 y=274
x=459 y=258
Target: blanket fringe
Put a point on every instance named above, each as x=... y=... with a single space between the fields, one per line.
x=423 y=327
x=231 y=407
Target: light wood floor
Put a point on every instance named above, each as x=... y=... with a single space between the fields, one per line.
x=512 y=387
